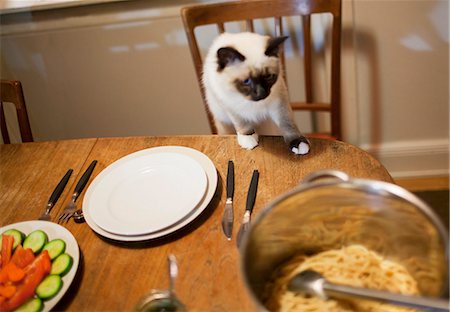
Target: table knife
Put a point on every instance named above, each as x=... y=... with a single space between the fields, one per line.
x=251 y=196
x=55 y=196
x=227 y=218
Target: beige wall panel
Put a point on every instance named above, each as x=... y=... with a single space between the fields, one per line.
x=124 y=68
x=402 y=70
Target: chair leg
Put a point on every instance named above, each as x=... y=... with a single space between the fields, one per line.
x=3 y=128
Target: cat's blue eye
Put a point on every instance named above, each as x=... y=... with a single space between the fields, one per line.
x=247 y=81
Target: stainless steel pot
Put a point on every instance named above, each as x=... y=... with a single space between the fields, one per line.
x=329 y=210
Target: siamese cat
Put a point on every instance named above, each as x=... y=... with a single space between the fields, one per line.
x=243 y=83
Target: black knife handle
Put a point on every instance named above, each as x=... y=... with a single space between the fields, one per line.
x=59 y=189
x=84 y=178
x=251 y=196
x=230 y=179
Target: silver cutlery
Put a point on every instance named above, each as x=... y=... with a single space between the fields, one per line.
x=227 y=218
x=173 y=273
x=55 y=196
x=71 y=207
x=163 y=299
x=251 y=196
x=78 y=216
x=313 y=283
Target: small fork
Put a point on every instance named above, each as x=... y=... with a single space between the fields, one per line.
x=71 y=207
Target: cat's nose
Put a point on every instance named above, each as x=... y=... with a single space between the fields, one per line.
x=259 y=93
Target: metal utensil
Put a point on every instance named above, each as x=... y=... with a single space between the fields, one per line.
x=227 y=218
x=71 y=207
x=173 y=273
x=158 y=300
x=55 y=195
x=78 y=216
x=313 y=283
x=251 y=196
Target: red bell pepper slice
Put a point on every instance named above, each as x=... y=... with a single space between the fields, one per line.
x=35 y=272
x=7 y=291
x=2 y=303
x=7 y=246
x=19 y=260
x=22 y=257
x=11 y=273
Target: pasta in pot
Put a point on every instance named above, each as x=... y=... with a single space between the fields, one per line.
x=353 y=265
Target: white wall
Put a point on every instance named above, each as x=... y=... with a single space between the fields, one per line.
x=124 y=69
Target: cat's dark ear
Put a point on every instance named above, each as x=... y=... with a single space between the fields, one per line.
x=227 y=56
x=273 y=45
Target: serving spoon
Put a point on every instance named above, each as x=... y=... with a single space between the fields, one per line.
x=313 y=283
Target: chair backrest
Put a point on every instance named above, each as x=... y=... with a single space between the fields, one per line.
x=251 y=10
x=11 y=92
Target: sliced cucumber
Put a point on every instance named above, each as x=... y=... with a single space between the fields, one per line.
x=49 y=287
x=36 y=240
x=18 y=237
x=32 y=305
x=55 y=248
x=61 y=265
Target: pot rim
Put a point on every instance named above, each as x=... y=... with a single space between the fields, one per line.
x=313 y=181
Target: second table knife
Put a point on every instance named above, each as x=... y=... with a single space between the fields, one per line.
x=227 y=218
x=251 y=196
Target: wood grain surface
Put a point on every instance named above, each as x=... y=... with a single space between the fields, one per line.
x=112 y=276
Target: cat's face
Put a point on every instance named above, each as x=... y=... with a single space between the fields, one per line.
x=251 y=70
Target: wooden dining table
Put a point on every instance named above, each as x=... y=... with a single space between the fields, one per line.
x=114 y=275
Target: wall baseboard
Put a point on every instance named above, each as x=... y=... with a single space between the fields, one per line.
x=412 y=158
x=420 y=184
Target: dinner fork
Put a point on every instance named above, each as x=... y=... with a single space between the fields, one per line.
x=71 y=207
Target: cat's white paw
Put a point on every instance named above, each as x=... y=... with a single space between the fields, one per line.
x=248 y=141
x=300 y=146
x=302 y=149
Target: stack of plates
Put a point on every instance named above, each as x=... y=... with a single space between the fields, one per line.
x=150 y=193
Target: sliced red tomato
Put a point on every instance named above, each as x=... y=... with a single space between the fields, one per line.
x=7 y=246
x=35 y=272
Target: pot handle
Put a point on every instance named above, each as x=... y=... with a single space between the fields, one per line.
x=326 y=174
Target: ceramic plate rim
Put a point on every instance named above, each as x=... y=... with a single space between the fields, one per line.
x=212 y=179
x=110 y=173
x=72 y=249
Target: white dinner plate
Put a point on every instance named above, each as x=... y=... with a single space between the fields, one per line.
x=53 y=231
x=211 y=183
x=144 y=193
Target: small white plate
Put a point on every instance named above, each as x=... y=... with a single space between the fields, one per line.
x=144 y=193
x=211 y=179
x=53 y=231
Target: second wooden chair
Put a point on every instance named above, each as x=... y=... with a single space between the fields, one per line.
x=11 y=92
x=248 y=11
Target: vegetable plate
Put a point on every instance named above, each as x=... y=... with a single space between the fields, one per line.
x=54 y=261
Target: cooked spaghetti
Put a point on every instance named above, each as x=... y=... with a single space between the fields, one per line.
x=354 y=265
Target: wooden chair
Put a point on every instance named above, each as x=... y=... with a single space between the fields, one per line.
x=251 y=10
x=11 y=91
